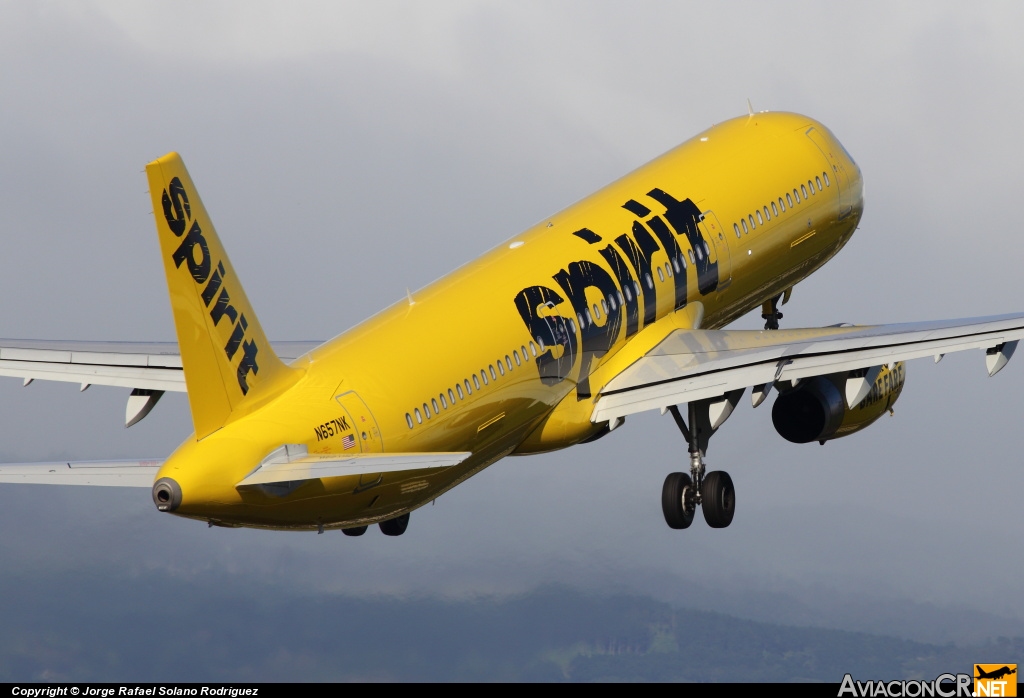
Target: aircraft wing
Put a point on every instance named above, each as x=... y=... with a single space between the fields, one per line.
x=291 y=463
x=691 y=365
x=149 y=369
x=117 y=473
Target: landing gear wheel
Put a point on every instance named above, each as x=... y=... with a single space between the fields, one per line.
x=718 y=498
x=395 y=526
x=354 y=531
x=677 y=500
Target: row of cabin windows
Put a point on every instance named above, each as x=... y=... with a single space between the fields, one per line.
x=463 y=390
x=589 y=316
x=807 y=190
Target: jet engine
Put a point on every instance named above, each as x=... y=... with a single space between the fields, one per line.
x=817 y=409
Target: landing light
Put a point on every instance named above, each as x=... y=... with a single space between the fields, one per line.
x=517 y=243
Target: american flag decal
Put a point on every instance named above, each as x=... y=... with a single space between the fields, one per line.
x=348 y=441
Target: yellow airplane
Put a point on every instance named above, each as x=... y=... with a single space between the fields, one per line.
x=611 y=307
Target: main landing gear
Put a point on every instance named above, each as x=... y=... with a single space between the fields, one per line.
x=391 y=527
x=714 y=491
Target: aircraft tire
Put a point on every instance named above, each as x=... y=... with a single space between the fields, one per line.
x=395 y=526
x=354 y=531
x=718 y=499
x=673 y=494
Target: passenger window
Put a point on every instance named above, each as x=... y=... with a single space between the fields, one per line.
x=523 y=349
x=706 y=250
x=604 y=306
x=476 y=381
x=493 y=376
x=737 y=229
x=426 y=410
x=751 y=219
x=810 y=185
x=533 y=349
x=690 y=252
x=789 y=200
x=419 y=417
x=767 y=215
x=775 y=211
x=817 y=181
x=636 y=288
x=540 y=342
x=501 y=369
x=743 y=222
x=451 y=397
x=796 y=195
x=668 y=270
x=433 y=403
x=628 y=296
x=760 y=220
x=469 y=390
x=444 y=403
x=661 y=275
x=619 y=293
x=650 y=281
x=582 y=323
x=483 y=376
x=508 y=362
x=612 y=303
x=597 y=312
x=699 y=255
x=458 y=389
x=675 y=263
x=408 y=419
x=825 y=175
x=782 y=205
x=803 y=190
x=515 y=353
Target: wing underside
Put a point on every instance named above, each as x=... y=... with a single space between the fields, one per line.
x=149 y=369
x=692 y=365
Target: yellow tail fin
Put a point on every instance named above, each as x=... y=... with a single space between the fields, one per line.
x=229 y=365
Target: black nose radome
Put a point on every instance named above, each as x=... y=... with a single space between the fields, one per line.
x=166 y=494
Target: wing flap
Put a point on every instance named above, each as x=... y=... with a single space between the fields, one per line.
x=119 y=473
x=292 y=463
x=693 y=365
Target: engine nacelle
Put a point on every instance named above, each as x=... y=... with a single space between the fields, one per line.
x=815 y=410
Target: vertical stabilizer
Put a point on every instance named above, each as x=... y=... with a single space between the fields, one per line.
x=227 y=359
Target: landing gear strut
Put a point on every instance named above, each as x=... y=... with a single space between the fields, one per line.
x=770 y=313
x=682 y=493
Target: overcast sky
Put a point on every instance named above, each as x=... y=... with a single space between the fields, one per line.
x=347 y=152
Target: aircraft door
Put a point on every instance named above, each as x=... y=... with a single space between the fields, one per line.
x=365 y=434
x=839 y=174
x=712 y=230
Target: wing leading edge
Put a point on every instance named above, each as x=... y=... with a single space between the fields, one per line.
x=116 y=473
x=692 y=365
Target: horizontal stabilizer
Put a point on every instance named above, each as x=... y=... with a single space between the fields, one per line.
x=292 y=463
x=101 y=473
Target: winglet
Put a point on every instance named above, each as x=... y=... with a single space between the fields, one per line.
x=228 y=362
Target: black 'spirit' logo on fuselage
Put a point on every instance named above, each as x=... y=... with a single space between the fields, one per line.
x=630 y=282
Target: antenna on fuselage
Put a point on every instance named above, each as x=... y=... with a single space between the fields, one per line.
x=408 y=294
x=750 y=107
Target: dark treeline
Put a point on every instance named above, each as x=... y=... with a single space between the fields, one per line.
x=153 y=628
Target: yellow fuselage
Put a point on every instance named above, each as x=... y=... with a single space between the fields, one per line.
x=702 y=234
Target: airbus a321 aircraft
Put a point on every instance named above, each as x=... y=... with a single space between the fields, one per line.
x=611 y=307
